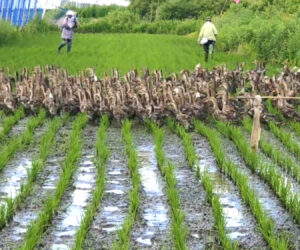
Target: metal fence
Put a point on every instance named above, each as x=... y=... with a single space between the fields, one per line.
x=19 y=12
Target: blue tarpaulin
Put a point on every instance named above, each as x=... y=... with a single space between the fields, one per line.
x=19 y=12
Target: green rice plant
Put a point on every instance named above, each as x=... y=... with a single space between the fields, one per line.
x=281 y=187
x=286 y=139
x=274 y=111
x=191 y=156
x=23 y=140
x=9 y=121
x=248 y=195
x=179 y=229
x=2 y=114
x=275 y=154
x=123 y=240
x=296 y=127
x=100 y=162
x=74 y=144
x=46 y=143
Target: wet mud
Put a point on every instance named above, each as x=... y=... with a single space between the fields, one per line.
x=283 y=220
x=61 y=235
x=240 y=223
x=15 y=171
x=198 y=213
x=152 y=227
x=114 y=205
x=13 y=234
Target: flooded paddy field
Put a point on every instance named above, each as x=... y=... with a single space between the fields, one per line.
x=82 y=213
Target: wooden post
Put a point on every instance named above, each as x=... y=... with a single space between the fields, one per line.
x=256 y=129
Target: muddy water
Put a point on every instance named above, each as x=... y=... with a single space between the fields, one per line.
x=46 y=181
x=198 y=213
x=15 y=172
x=240 y=224
x=62 y=234
x=283 y=220
x=152 y=226
x=114 y=205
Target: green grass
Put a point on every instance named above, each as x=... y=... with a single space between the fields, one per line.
x=106 y=51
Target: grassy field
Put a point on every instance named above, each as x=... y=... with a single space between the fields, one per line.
x=106 y=51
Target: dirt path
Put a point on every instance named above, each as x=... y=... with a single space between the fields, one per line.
x=114 y=205
x=61 y=235
x=241 y=225
x=283 y=220
x=152 y=227
x=13 y=234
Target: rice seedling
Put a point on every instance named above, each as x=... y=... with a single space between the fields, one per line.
x=9 y=121
x=191 y=156
x=23 y=140
x=100 y=161
x=123 y=240
x=281 y=187
x=275 y=154
x=274 y=111
x=179 y=229
x=248 y=195
x=74 y=145
x=8 y=209
x=296 y=127
x=285 y=138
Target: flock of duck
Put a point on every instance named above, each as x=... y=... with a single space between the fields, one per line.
x=225 y=94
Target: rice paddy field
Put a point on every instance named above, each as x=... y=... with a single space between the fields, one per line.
x=77 y=181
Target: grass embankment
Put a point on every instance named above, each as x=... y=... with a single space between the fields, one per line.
x=213 y=199
x=123 y=240
x=45 y=145
x=179 y=229
x=23 y=140
x=37 y=228
x=281 y=187
x=102 y=152
x=248 y=195
x=106 y=51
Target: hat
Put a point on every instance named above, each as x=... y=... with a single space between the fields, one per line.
x=70 y=13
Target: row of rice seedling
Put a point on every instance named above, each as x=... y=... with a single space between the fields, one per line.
x=213 y=199
x=275 y=154
x=102 y=152
x=9 y=121
x=123 y=240
x=296 y=127
x=74 y=145
x=286 y=139
x=23 y=140
x=179 y=228
x=248 y=195
x=281 y=186
x=48 y=140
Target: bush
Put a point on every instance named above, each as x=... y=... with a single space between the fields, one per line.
x=38 y=25
x=8 y=33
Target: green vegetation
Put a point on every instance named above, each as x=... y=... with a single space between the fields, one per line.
x=123 y=241
x=37 y=228
x=9 y=121
x=286 y=139
x=191 y=156
x=104 y=52
x=7 y=210
x=296 y=127
x=274 y=111
x=275 y=154
x=23 y=140
x=166 y=168
x=100 y=161
x=248 y=195
x=281 y=187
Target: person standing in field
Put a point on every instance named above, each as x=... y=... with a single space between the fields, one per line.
x=68 y=26
x=207 y=38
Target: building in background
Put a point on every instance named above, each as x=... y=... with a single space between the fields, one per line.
x=19 y=12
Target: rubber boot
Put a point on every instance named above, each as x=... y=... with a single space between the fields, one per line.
x=60 y=47
x=206 y=57
x=69 y=47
